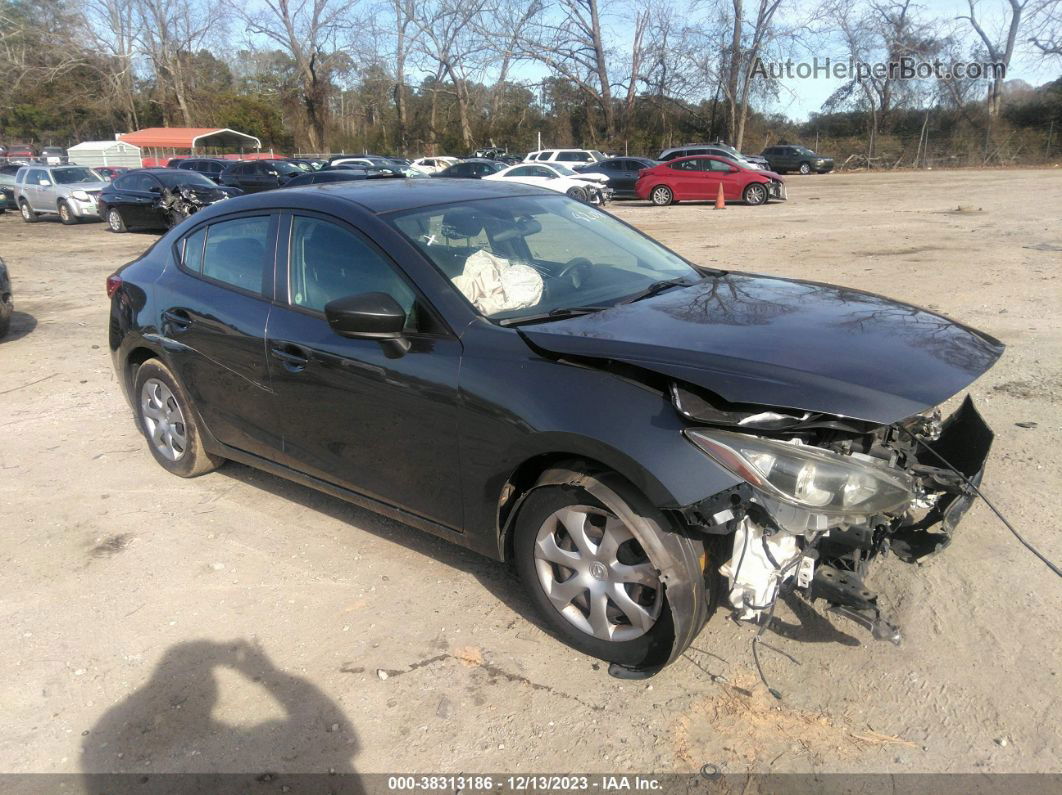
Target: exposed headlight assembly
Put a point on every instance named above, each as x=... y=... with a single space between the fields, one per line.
x=80 y=195
x=813 y=479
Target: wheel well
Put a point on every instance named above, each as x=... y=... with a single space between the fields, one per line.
x=523 y=480
x=136 y=357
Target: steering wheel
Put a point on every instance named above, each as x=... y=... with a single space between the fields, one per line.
x=571 y=265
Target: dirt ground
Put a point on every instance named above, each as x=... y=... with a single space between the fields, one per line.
x=238 y=622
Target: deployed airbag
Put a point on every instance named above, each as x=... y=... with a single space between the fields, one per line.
x=494 y=284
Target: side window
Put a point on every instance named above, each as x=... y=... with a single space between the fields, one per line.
x=192 y=250
x=124 y=183
x=718 y=165
x=523 y=171
x=568 y=157
x=327 y=262
x=683 y=165
x=542 y=171
x=236 y=252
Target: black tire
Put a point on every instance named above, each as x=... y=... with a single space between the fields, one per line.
x=66 y=215
x=661 y=196
x=115 y=222
x=193 y=459
x=28 y=215
x=755 y=194
x=579 y=194
x=653 y=648
x=805 y=168
x=7 y=308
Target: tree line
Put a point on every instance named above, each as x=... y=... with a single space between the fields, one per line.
x=450 y=76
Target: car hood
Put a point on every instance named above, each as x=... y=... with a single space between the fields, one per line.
x=85 y=186
x=785 y=343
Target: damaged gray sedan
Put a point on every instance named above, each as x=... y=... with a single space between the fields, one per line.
x=529 y=377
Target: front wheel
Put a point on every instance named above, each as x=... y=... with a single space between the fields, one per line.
x=115 y=221
x=169 y=423
x=805 y=168
x=661 y=196
x=579 y=194
x=592 y=580
x=28 y=215
x=65 y=214
x=755 y=193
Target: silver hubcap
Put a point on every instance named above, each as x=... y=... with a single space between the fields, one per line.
x=596 y=574
x=757 y=194
x=115 y=220
x=660 y=196
x=64 y=213
x=25 y=210
x=163 y=419
x=805 y=169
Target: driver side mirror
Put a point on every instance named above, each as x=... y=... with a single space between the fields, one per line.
x=366 y=316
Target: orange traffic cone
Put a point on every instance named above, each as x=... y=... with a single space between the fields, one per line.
x=720 y=202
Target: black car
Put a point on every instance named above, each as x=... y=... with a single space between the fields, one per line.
x=341 y=174
x=622 y=173
x=7 y=300
x=157 y=198
x=252 y=176
x=210 y=167
x=797 y=158
x=532 y=378
x=473 y=168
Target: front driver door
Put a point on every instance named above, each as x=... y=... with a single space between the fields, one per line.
x=361 y=413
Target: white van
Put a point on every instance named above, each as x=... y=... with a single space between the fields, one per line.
x=565 y=156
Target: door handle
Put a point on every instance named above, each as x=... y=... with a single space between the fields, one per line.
x=293 y=357
x=177 y=318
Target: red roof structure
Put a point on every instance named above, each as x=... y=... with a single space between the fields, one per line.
x=189 y=138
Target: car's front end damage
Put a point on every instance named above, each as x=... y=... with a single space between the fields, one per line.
x=824 y=496
x=177 y=202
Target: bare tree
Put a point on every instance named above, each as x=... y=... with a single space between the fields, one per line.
x=307 y=31
x=502 y=24
x=762 y=31
x=1047 y=37
x=1000 y=47
x=113 y=34
x=405 y=12
x=568 y=39
x=167 y=32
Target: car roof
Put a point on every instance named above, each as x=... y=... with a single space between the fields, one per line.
x=377 y=196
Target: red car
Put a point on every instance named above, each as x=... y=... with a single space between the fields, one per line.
x=699 y=177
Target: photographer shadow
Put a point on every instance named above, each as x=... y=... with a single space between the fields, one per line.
x=168 y=731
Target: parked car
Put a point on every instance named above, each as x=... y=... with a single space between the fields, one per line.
x=756 y=160
x=67 y=191
x=251 y=176
x=7 y=299
x=158 y=198
x=209 y=167
x=557 y=177
x=797 y=158
x=711 y=149
x=567 y=156
x=110 y=173
x=622 y=172
x=700 y=177
x=536 y=380
x=473 y=168
x=431 y=165
x=396 y=164
x=20 y=154
x=7 y=186
x=52 y=155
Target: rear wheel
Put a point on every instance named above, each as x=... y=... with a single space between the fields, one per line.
x=28 y=215
x=755 y=193
x=115 y=221
x=169 y=423
x=66 y=215
x=592 y=580
x=661 y=196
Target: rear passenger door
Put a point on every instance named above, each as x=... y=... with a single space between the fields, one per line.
x=214 y=303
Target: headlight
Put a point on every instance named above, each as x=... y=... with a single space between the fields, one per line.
x=80 y=195
x=811 y=478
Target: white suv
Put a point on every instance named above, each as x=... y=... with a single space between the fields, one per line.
x=565 y=156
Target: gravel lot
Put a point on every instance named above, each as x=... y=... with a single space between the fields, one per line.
x=237 y=622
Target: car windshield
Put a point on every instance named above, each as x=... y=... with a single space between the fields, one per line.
x=562 y=169
x=178 y=178
x=73 y=176
x=528 y=256
x=284 y=167
x=598 y=156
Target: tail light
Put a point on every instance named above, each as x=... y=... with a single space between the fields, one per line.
x=114 y=281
